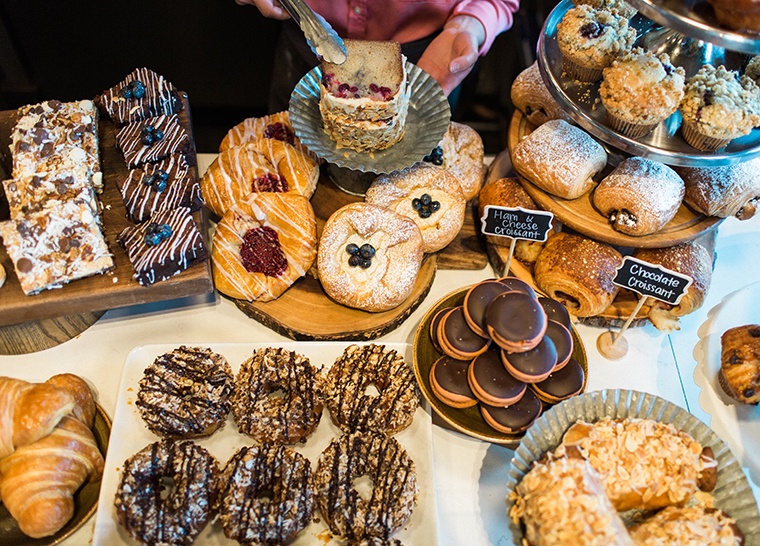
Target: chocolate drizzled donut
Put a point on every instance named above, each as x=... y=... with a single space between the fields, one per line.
x=361 y=367
x=186 y=393
x=393 y=477
x=267 y=495
x=285 y=419
x=153 y=512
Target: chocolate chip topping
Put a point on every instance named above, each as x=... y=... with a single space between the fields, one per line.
x=490 y=375
x=25 y=265
x=534 y=362
x=459 y=334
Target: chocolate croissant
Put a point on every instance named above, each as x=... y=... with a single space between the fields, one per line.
x=725 y=191
x=530 y=95
x=690 y=259
x=578 y=272
x=640 y=196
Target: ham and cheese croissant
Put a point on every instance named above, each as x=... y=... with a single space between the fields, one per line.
x=29 y=411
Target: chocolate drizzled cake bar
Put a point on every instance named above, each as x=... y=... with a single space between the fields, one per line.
x=56 y=245
x=160 y=186
x=142 y=94
x=164 y=246
x=152 y=140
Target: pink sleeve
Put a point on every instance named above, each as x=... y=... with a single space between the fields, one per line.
x=494 y=15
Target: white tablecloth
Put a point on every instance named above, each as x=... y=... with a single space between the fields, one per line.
x=469 y=473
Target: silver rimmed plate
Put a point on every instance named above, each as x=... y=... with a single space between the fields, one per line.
x=732 y=494
x=426 y=123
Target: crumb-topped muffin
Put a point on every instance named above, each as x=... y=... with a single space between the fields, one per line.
x=622 y=7
x=752 y=70
x=718 y=106
x=590 y=39
x=639 y=90
x=740 y=363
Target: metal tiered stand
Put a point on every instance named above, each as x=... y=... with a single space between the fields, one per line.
x=688 y=33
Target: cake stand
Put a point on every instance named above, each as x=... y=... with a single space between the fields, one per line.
x=665 y=144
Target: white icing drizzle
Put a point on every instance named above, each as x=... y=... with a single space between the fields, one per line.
x=160 y=98
x=129 y=139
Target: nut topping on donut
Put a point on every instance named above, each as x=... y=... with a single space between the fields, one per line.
x=360 y=368
x=186 y=393
x=267 y=495
x=152 y=511
x=394 y=485
x=285 y=419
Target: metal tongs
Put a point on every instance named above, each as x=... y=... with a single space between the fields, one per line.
x=323 y=40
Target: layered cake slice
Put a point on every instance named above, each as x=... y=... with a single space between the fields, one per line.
x=142 y=94
x=163 y=246
x=364 y=101
x=54 y=246
x=165 y=185
x=152 y=140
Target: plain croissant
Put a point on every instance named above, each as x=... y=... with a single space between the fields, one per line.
x=39 y=480
x=29 y=411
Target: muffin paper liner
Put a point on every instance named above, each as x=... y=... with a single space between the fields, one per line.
x=699 y=141
x=732 y=494
x=426 y=123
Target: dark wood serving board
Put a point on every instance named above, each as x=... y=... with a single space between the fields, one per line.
x=85 y=300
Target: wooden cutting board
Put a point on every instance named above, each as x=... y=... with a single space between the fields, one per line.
x=33 y=323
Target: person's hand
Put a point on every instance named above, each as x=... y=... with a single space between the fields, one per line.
x=268 y=8
x=454 y=52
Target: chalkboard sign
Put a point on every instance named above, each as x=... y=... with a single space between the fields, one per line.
x=516 y=222
x=652 y=280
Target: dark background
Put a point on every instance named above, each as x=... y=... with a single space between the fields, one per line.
x=218 y=52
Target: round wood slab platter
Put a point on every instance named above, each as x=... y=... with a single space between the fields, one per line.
x=304 y=312
x=38 y=335
x=581 y=215
x=625 y=302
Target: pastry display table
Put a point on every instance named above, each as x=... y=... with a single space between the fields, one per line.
x=469 y=474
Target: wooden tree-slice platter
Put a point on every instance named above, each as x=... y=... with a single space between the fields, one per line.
x=54 y=316
x=581 y=215
x=625 y=302
x=294 y=313
x=305 y=312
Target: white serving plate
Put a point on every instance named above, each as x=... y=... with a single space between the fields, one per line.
x=130 y=435
x=738 y=424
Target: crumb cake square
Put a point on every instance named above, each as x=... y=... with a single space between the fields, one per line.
x=53 y=137
x=142 y=94
x=152 y=140
x=54 y=246
x=165 y=185
x=163 y=246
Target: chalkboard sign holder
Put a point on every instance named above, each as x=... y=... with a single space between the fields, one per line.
x=649 y=281
x=517 y=223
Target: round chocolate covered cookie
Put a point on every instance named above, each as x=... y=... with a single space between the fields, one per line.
x=492 y=383
x=516 y=321
x=448 y=381
x=457 y=339
x=476 y=301
x=561 y=384
x=534 y=364
x=514 y=418
x=563 y=342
